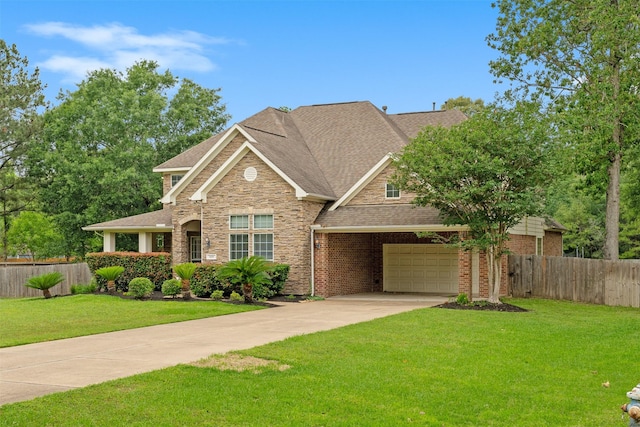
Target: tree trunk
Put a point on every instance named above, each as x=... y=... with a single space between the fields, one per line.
x=186 y=289
x=612 y=216
x=494 y=273
x=111 y=286
x=247 y=290
x=46 y=293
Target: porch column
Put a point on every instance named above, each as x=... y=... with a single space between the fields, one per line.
x=145 y=242
x=108 y=242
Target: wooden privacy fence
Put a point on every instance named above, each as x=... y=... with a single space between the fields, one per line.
x=12 y=279
x=575 y=279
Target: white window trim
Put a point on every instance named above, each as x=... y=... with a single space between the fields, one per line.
x=262 y=228
x=191 y=243
x=239 y=215
x=177 y=180
x=386 y=191
x=253 y=246
x=248 y=244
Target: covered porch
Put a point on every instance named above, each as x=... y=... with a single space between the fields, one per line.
x=154 y=230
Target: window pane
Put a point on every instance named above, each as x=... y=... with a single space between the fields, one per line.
x=175 y=179
x=263 y=246
x=393 y=192
x=238 y=246
x=239 y=222
x=196 y=248
x=262 y=221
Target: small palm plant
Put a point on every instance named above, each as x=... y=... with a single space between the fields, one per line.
x=185 y=272
x=248 y=272
x=110 y=274
x=44 y=282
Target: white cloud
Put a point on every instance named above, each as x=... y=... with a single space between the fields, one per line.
x=117 y=46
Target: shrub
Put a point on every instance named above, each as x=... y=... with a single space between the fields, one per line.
x=217 y=294
x=279 y=274
x=45 y=281
x=171 y=287
x=84 y=289
x=140 y=287
x=462 y=299
x=236 y=296
x=155 y=266
x=205 y=281
x=110 y=274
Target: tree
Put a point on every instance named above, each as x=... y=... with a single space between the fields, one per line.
x=21 y=96
x=464 y=104
x=110 y=274
x=248 y=272
x=34 y=233
x=487 y=173
x=185 y=272
x=582 y=57
x=101 y=142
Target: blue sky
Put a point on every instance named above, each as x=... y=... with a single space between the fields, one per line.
x=403 y=54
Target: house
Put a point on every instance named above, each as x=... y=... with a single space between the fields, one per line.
x=310 y=188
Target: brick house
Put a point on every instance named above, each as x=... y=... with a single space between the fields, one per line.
x=310 y=188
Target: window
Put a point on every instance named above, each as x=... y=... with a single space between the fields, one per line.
x=238 y=246
x=263 y=246
x=239 y=222
x=195 y=248
x=261 y=222
x=175 y=179
x=392 y=192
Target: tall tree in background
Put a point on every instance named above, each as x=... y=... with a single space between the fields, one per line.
x=464 y=104
x=21 y=96
x=102 y=141
x=582 y=56
x=487 y=173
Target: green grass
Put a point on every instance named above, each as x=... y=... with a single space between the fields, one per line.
x=429 y=367
x=30 y=320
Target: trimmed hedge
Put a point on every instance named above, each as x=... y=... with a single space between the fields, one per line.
x=204 y=281
x=155 y=266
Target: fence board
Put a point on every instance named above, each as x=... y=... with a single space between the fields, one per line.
x=576 y=279
x=12 y=279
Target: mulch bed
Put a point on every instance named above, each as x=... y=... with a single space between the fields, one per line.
x=482 y=306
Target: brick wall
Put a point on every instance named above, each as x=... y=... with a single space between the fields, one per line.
x=552 y=243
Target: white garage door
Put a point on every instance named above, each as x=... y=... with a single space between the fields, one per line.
x=420 y=268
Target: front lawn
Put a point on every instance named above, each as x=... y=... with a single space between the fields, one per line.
x=429 y=367
x=30 y=320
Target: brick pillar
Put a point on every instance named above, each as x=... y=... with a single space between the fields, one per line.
x=321 y=265
x=464 y=269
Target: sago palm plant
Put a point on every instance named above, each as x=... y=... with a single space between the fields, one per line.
x=185 y=272
x=248 y=272
x=44 y=282
x=110 y=274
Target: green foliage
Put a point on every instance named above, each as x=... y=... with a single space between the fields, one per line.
x=279 y=274
x=45 y=281
x=185 y=271
x=487 y=173
x=171 y=287
x=462 y=299
x=217 y=294
x=84 y=289
x=35 y=233
x=582 y=58
x=155 y=266
x=110 y=273
x=464 y=104
x=109 y=134
x=204 y=280
x=140 y=287
x=236 y=296
x=246 y=272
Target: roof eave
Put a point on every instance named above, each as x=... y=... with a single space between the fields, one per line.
x=388 y=228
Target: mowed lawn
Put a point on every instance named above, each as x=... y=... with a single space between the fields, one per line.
x=29 y=320
x=428 y=367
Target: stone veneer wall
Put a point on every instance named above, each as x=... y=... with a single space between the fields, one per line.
x=375 y=192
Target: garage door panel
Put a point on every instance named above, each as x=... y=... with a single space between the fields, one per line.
x=420 y=268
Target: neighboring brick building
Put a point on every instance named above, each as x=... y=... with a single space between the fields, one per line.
x=310 y=188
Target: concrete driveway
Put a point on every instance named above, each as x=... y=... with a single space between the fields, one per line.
x=33 y=370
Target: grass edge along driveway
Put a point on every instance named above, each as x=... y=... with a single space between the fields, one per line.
x=429 y=367
x=31 y=320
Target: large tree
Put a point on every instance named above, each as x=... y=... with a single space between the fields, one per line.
x=487 y=173
x=583 y=57
x=102 y=141
x=464 y=104
x=21 y=98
